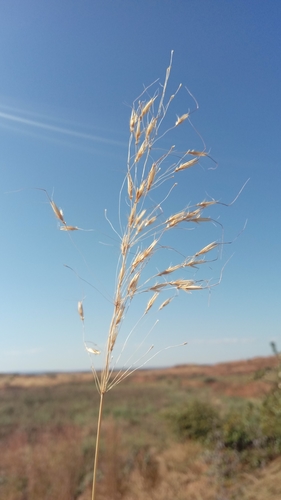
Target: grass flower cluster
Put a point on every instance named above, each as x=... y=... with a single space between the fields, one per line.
x=153 y=173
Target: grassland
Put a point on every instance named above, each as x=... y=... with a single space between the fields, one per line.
x=157 y=441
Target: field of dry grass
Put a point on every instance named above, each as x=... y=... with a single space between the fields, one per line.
x=47 y=424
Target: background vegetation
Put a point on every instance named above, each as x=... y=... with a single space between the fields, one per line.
x=189 y=432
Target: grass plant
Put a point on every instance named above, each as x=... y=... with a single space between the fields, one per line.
x=154 y=169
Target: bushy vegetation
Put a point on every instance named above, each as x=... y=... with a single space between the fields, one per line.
x=162 y=439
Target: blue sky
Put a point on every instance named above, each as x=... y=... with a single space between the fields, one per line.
x=69 y=74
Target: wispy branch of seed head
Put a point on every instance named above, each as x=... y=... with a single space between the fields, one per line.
x=144 y=225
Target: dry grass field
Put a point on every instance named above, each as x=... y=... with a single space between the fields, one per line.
x=191 y=432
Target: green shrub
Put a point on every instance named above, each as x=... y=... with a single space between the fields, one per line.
x=196 y=421
x=271 y=418
x=241 y=429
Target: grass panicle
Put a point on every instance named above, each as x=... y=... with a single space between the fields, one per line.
x=154 y=170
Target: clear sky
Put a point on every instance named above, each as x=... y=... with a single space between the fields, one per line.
x=70 y=71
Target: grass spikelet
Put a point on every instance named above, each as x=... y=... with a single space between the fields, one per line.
x=147 y=107
x=187 y=164
x=133 y=285
x=69 y=228
x=150 y=127
x=169 y=270
x=140 y=190
x=150 y=221
x=181 y=119
x=151 y=176
x=130 y=185
x=194 y=263
x=151 y=302
x=91 y=350
x=196 y=153
x=122 y=273
x=80 y=310
x=139 y=217
x=138 y=131
x=141 y=151
x=205 y=204
x=119 y=314
x=141 y=256
x=125 y=244
x=57 y=211
x=132 y=215
x=133 y=120
x=140 y=227
x=182 y=284
x=165 y=303
x=207 y=248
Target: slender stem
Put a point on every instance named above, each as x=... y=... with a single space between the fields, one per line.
x=97 y=447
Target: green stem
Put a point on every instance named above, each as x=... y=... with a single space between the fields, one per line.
x=97 y=447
